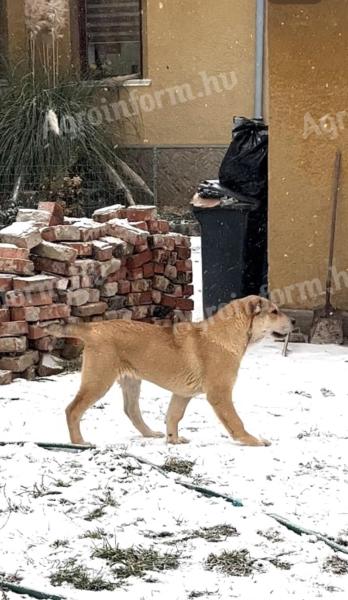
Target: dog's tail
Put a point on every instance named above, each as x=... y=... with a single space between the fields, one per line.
x=71 y=330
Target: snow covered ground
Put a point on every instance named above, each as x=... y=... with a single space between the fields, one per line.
x=68 y=513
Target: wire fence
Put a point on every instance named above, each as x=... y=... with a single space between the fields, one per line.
x=82 y=192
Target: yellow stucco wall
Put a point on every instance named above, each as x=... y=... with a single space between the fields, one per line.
x=308 y=50
x=183 y=39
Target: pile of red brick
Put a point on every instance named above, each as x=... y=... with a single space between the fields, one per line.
x=123 y=263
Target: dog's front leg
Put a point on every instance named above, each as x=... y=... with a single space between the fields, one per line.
x=220 y=398
x=175 y=413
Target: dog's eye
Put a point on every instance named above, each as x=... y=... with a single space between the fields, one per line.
x=274 y=311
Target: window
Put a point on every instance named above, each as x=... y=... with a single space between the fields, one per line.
x=110 y=35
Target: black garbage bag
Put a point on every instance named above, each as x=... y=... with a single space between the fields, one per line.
x=244 y=167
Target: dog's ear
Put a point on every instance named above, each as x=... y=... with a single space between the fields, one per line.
x=253 y=305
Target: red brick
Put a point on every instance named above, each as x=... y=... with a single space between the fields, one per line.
x=177 y=291
x=156 y=296
x=5 y=377
x=43 y=313
x=55 y=251
x=152 y=226
x=55 y=311
x=181 y=240
x=109 y=267
x=55 y=211
x=4 y=315
x=170 y=272
x=68 y=283
x=29 y=374
x=13 y=328
x=18 y=298
x=141 y=212
x=13 y=344
x=6 y=282
x=12 y=251
x=170 y=243
x=40 y=330
x=101 y=250
x=82 y=248
x=183 y=278
x=123 y=313
x=159 y=282
x=168 y=300
x=184 y=304
x=137 y=299
x=88 y=310
x=16 y=265
x=116 y=303
x=134 y=274
x=182 y=316
x=116 y=211
x=119 y=275
x=187 y=290
x=141 y=285
x=109 y=289
x=119 y=247
x=124 y=287
x=141 y=247
x=44 y=344
x=137 y=260
x=184 y=266
x=23 y=235
x=172 y=259
x=182 y=252
x=140 y=225
x=18 y=364
x=87 y=266
x=163 y=226
x=49 y=365
x=87 y=281
x=148 y=270
x=61 y=233
x=39 y=217
x=37 y=283
x=160 y=256
x=93 y=294
x=90 y=230
x=75 y=297
x=125 y=231
x=158 y=268
x=157 y=241
x=54 y=266
x=140 y=312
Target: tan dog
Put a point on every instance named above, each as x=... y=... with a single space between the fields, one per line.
x=187 y=359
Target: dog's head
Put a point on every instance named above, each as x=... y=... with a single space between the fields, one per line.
x=266 y=318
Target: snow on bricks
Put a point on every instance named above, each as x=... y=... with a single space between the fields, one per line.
x=122 y=264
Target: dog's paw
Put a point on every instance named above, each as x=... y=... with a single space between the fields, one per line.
x=154 y=434
x=250 y=440
x=177 y=440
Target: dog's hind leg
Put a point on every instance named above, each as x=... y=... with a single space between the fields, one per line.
x=96 y=379
x=176 y=411
x=131 y=392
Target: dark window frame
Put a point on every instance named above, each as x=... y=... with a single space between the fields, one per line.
x=83 y=44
